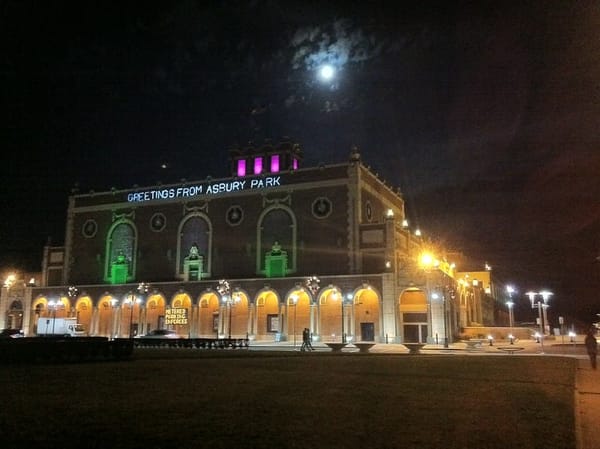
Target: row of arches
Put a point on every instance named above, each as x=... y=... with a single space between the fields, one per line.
x=328 y=314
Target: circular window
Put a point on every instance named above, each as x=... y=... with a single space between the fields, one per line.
x=89 y=229
x=158 y=222
x=321 y=207
x=235 y=215
x=368 y=211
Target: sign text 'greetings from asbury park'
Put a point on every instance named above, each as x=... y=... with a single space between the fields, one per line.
x=176 y=316
x=205 y=188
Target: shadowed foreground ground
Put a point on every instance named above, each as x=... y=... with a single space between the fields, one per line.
x=240 y=399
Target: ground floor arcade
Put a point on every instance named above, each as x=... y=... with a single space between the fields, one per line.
x=349 y=308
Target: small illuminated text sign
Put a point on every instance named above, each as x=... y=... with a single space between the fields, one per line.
x=176 y=316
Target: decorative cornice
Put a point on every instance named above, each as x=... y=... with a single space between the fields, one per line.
x=275 y=201
x=124 y=215
x=203 y=207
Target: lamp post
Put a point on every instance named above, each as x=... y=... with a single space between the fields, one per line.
x=224 y=289
x=294 y=301
x=437 y=296
x=445 y=320
x=142 y=289
x=228 y=299
x=313 y=285
x=510 y=304
x=231 y=300
x=336 y=293
x=428 y=262
x=543 y=303
x=113 y=325
x=53 y=305
x=72 y=294
x=545 y=296
x=131 y=302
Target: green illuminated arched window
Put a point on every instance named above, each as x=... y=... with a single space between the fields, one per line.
x=194 y=230
x=276 y=228
x=120 y=253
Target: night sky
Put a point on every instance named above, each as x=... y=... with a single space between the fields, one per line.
x=484 y=114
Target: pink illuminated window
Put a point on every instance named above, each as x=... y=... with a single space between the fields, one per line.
x=241 y=167
x=275 y=163
x=295 y=164
x=258 y=165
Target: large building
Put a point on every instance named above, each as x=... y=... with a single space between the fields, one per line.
x=270 y=250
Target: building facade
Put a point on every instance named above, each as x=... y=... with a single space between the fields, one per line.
x=269 y=251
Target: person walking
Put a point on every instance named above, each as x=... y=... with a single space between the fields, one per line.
x=309 y=345
x=304 y=346
x=591 y=345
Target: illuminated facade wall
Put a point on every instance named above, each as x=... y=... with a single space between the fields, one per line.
x=338 y=222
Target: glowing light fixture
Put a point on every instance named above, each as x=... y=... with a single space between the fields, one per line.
x=258 y=165
x=275 y=163
x=241 y=167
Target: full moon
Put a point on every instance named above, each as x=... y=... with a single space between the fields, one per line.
x=327 y=72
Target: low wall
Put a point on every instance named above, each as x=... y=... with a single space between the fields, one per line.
x=498 y=333
x=63 y=349
x=204 y=343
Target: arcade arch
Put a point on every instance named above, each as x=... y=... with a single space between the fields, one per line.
x=298 y=310
x=182 y=301
x=413 y=308
x=155 y=312
x=208 y=315
x=267 y=315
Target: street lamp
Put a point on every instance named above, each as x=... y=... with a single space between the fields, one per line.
x=342 y=299
x=228 y=299
x=294 y=302
x=142 y=289
x=313 y=285
x=113 y=322
x=132 y=301
x=436 y=296
x=224 y=289
x=546 y=296
x=72 y=293
x=543 y=303
x=53 y=305
x=510 y=304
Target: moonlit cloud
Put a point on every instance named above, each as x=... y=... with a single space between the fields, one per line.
x=338 y=44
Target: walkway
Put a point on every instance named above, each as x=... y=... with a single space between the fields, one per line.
x=587 y=406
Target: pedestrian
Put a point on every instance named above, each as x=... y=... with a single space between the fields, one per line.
x=309 y=340
x=304 y=346
x=591 y=346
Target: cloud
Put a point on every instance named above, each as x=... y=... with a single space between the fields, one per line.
x=338 y=43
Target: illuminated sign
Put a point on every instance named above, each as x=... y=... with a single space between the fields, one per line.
x=176 y=316
x=204 y=188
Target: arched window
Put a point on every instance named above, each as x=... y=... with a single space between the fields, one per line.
x=276 y=227
x=120 y=253
x=194 y=231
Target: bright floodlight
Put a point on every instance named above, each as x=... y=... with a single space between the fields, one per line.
x=326 y=72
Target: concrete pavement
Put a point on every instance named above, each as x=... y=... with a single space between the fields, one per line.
x=587 y=405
